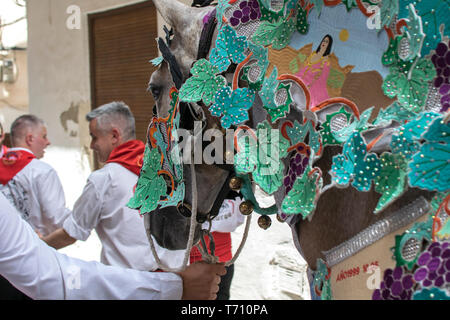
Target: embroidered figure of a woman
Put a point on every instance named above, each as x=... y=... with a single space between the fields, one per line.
x=315 y=71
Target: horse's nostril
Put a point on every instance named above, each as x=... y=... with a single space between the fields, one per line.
x=184 y=209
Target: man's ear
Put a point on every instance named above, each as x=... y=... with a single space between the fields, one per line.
x=116 y=135
x=29 y=138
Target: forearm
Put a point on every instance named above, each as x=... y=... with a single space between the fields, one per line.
x=59 y=239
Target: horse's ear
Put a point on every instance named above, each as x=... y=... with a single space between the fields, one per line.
x=177 y=14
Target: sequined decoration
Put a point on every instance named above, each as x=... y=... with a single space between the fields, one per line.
x=232 y=105
x=408 y=246
x=430 y=167
x=408 y=81
x=355 y=165
x=405 y=139
x=321 y=282
x=151 y=186
x=296 y=133
x=203 y=84
x=303 y=196
x=334 y=122
x=262 y=158
x=391 y=182
x=229 y=48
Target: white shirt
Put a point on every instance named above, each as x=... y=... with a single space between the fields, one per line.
x=38 y=195
x=102 y=206
x=41 y=272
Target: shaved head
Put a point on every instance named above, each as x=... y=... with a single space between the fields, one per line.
x=28 y=131
x=23 y=125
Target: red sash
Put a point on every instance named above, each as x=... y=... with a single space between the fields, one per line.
x=222 y=242
x=12 y=163
x=129 y=155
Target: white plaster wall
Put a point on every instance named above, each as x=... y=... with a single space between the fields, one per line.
x=59 y=79
x=14 y=96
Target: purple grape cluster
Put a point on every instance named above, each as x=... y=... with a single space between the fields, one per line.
x=444 y=90
x=297 y=166
x=441 y=61
x=434 y=266
x=248 y=11
x=397 y=284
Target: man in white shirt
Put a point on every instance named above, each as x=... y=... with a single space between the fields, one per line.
x=31 y=185
x=43 y=273
x=102 y=205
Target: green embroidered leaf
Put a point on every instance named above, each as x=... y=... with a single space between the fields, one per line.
x=389 y=9
x=203 y=84
x=267 y=93
x=232 y=105
x=357 y=125
x=303 y=196
x=298 y=133
x=393 y=113
x=405 y=140
x=277 y=33
x=409 y=85
x=338 y=117
x=390 y=55
x=414 y=35
x=177 y=197
x=391 y=181
x=302 y=21
x=430 y=167
x=263 y=157
x=355 y=164
x=150 y=186
x=221 y=8
x=229 y=47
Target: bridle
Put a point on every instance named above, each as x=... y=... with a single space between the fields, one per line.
x=189 y=113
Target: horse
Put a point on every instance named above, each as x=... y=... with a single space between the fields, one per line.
x=342 y=222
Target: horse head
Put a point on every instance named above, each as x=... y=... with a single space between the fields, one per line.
x=170 y=225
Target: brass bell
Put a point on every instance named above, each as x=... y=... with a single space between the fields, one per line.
x=279 y=218
x=246 y=208
x=264 y=222
x=235 y=184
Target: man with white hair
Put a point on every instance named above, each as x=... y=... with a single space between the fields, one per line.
x=102 y=205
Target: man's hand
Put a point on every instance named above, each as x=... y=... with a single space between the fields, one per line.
x=201 y=280
x=59 y=239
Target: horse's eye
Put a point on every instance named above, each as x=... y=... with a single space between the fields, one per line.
x=155 y=90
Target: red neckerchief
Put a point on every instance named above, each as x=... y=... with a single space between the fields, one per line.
x=12 y=163
x=129 y=155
